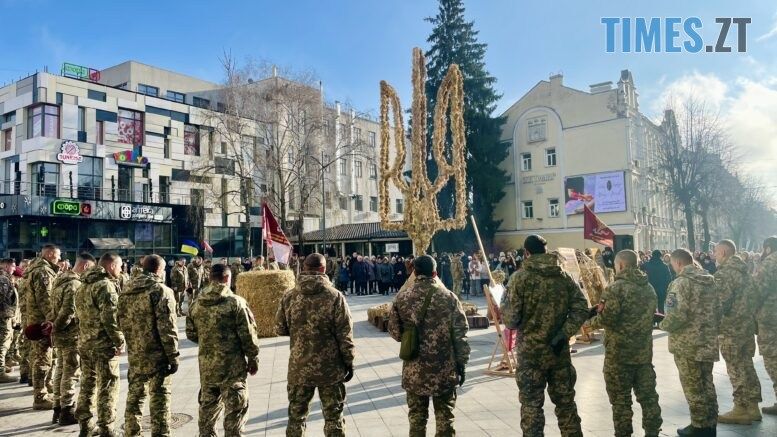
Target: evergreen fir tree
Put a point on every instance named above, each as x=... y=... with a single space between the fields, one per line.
x=454 y=41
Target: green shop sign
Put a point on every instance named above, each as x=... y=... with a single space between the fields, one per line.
x=80 y=72
x=69 y=207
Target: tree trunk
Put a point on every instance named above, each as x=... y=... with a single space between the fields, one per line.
x=249 y=247
x=688 y=210
x=706 y=229
x=300 y=231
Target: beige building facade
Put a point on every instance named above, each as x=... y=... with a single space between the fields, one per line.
x=570 y=147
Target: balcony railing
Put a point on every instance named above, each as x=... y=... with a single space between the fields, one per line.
x=147 y=195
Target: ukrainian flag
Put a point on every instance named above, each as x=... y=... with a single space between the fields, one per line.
x=190 y=247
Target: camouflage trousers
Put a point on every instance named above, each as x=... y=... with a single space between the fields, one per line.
x=620 y=380
x=157 y=388
x=332 y=404
x=233 y=399
x=457 y=283
x=767 y=347
x=40 y=366
x=6 y=337
x=65 y=371
x=179 y=295
x=100 y=379
x=418 y=413
x=13 y=348
x=738 y=352
x=558 y=374
x=696 y=380
x=24 y=352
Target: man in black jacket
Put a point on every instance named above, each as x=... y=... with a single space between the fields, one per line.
x=659 y=277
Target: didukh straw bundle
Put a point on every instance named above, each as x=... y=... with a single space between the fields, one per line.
x=263 y=291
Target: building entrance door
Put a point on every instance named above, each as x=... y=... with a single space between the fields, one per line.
x=125 y=183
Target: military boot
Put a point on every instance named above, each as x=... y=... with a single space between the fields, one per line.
x=68 y=416
x=754 y=411
x=6 y=378
x=691 y=431
x=42 y=402
x=738 y=416
x=87 y=429
x=11 y=362
x=55 y=418
x=24 y=379
x=772 y=411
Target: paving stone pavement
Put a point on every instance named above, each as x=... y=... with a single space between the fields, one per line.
x=487 y=405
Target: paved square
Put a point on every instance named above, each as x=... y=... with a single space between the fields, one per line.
x=487 y=406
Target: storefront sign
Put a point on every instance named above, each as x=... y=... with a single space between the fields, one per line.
x=131 y=158
x=69 y=153
x=70 y=207
x=538 y=179
x=139 y=212
x=80 y=72
x=392 y=247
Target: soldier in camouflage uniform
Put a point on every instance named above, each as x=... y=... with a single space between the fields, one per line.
x=65 y=339
x=100 y=342
x=40 y=276
x=224 y=327
x=547 y=307
x=137 y=268
x=206 y=266
x=692 y=315
x=147 y=318
x=457 y=273
x=316 y=317
x=179 y=280
x=196 y=272
x=258 y=265
x=736 y=295
x=237 y=268
x=766 y=315
x=443 y=348
x=273 y=265
x=9 y=300
x=626 y=313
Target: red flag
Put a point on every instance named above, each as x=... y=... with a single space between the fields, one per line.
x=274 y=236
x=595 y=230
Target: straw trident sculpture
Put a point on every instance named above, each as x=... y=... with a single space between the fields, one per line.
x=421 y=215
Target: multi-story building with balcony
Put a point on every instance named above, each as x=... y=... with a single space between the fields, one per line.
x=109 y=160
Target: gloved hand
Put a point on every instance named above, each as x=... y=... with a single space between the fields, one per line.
x=253 y=366
x=461 y=373
x=557 y=343
x=349 y=373
x=593 y=311
x=172 y=367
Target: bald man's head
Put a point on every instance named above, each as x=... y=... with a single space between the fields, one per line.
x=626 y=259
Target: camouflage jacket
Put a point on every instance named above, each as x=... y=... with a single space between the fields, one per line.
x=179 y=279
x=135 y=271
x=96 y=310
x=196 y=274
x=735 y=290
x=273 y=265
x=766 y=303
x=237 y=268
x=316 y=317
x=442 y=334
x=63 y=310
x=224 y=327
x=457 y=268
x=542 y=301
x=630 y=303
x=692 y=314
x=39 y=280
x=9 y=299
x=205 y=275
x=147 y=318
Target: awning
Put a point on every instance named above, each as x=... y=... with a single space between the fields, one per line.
x=111 y=243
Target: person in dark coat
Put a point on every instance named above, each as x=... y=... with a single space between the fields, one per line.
x=608 y=256
x=360 y=275
x=400 y=273
x=659 y=277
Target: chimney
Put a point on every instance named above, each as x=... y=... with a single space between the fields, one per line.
x=274 y=71
x=556 y=80
x=601 y=87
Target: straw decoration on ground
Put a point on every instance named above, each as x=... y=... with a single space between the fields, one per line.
x=470 y=308
x=263 y=291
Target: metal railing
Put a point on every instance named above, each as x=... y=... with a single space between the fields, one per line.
x=149 y=194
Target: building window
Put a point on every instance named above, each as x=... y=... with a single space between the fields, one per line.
x=400 y=206
x=82 y=119
x=527 y=209
x=7 y=140
x=553 y=208
x=176 y=96
x=200 y=102
x=525 y=161
x=343 y=167
x=43 y=121
x=359 y=203
x=148 y=90
x=99 y=128
x=358 y=169
x=327 y=129
x=45 y=178
x=220 y=107
x=372 y=139
x=95 y=95
x=290 y=157
x=373 y=204
x=328 y=163
x=373 y=171
x=327 y=199
x=166 y=149
x=223 y=147
x=130 y=129
x=164 y=189
x=90 y=178
x=357 y=134
x=550 y=157
x=341 y=131
x=191 y=140
x=536 y=129
x=292 y=198
x=343 y=202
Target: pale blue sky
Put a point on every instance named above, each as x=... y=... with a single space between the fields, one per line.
x=353 y=44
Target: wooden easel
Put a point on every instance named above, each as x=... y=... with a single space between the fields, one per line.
x=506 y=355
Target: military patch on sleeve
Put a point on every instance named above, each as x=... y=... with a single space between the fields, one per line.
x=45 y=281
x=671 y=300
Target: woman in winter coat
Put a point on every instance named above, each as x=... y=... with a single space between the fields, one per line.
x=385 y=276
x=400 y=273
x=343 y=278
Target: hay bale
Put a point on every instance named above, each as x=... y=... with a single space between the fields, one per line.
x=376 y=313
x=263 y=291
x=470 y=309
